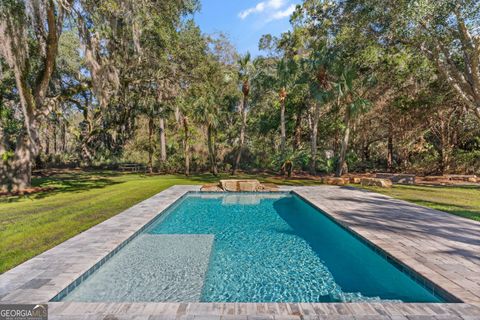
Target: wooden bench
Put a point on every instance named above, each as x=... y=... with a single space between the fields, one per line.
x=133 y=167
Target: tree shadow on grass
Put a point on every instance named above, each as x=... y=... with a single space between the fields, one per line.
x=202 y=178
x=437 y=188
x=70 y=182
x=455 y=209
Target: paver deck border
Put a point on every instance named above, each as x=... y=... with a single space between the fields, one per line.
x=449 y=260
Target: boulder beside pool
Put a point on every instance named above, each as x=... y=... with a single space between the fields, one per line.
x=375 y=182
x=335 y=181
x=211 y=187
x=240 y=185
x=397 y=177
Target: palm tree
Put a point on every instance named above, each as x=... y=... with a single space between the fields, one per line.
x=183 y=111
x=206 y=113
x=186 y=144
x=283 y=77
x=209 y=99
x=283 y=134
x=320 y=87
x=245 y=73
x=349 y=98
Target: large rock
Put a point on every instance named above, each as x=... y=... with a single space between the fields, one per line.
x=462 y=177
x=356 y=180
x=375 y=182
x=248 y=186
x=268 y=187
x=452 y=178
x=211 y=188
x=397 y=177
x=437 y=178
x=240 y=185
x=336 y=181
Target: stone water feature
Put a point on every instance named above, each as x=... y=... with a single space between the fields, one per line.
x=239 y=186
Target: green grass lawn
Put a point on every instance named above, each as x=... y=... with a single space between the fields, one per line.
x=462 y=201
x=32 y=224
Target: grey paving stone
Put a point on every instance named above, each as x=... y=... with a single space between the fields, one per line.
x=372 y=317
x=207 y=317
x=35 y=284
x=262 y=317
x=230 y=317
x=448 y=317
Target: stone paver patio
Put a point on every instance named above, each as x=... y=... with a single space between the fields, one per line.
x=441 y=249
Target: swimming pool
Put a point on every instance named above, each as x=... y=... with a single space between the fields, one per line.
x=262 y=247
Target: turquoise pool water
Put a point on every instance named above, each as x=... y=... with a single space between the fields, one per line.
x=247 y=248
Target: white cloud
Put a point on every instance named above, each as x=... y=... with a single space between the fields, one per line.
x=281 y=14
x=265 y=6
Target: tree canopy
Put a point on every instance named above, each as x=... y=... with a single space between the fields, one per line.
x=354 y=85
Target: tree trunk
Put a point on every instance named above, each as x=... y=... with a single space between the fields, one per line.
x=85 y=135
x=441 y=160
x=211 y=150
x=4 y=169
x=64 y=137
x=297 y=140
x=19 y=176
x=5 y=176
x=3 y=147
x=477 y=112
x=313 y=139
x=404 y=155
x=32 y=98
x=444 y=149
x=186 y=149
x=366 y=152
x=55 y=150
x=163 y=143
x=445 y=160
x=343 y=151
x=86 y=154
x=243 y=114
x=390 y=153
x=150 y=145
x=47 y=142
x=283 y=133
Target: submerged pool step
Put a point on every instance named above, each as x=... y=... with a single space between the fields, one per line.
x=152 y=268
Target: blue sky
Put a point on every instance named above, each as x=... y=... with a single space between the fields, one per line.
x=245 y=21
